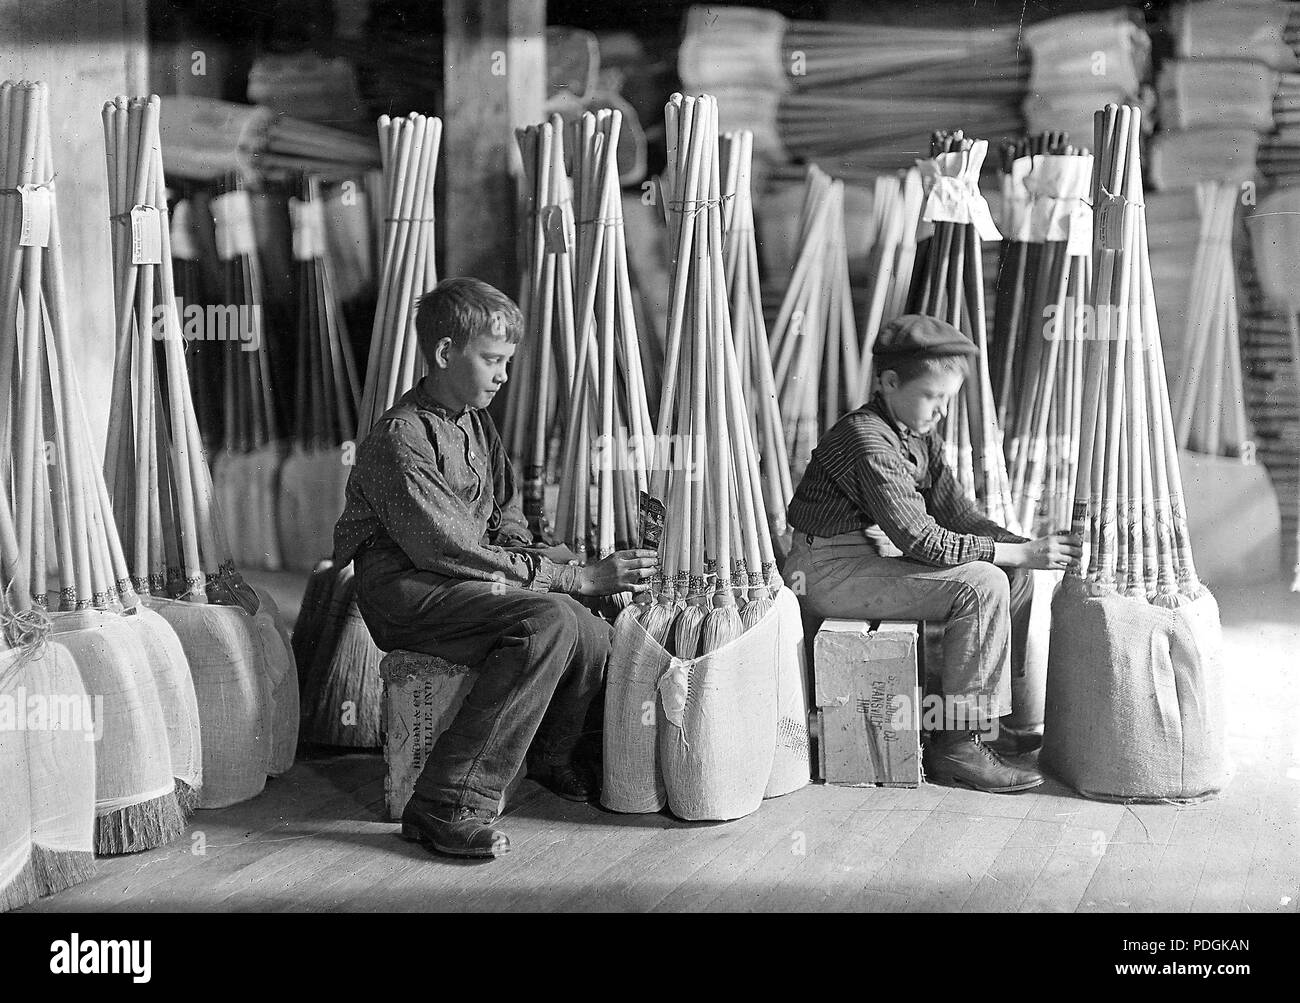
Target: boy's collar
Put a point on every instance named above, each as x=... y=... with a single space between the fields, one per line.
x=426 y=400
x=878 y=405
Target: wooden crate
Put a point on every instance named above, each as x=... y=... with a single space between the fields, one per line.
x=867 y=697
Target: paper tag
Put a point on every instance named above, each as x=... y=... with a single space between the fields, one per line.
x=183 y=247
x=308 y=219
x=233 y=214
x=955 y=196
x=1078 y=242
x=674 y=687
x=552 y=221
x=146 y=235
x=35 y=231
x=1109 y=219
x=652 y=516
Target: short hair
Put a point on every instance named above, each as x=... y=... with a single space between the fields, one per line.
x=910 y=367
x=462 y=308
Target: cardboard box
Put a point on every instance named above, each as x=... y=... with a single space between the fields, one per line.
x=868 y=702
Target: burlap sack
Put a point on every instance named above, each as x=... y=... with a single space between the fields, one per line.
x=282 y=674
x=171 y=672
x=791 y=765
x=1135 y=706
x=713 y=720
x=310 y=501
x=61 y=764
x=224 y=649
x=135 y=794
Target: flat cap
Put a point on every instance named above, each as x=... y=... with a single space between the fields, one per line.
x=916 y=335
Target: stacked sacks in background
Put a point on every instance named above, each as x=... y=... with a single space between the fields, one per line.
x=173 y=541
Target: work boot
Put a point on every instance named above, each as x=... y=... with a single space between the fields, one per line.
x=568 y=780
x=458 y=831
x=959 y=757
x=1009 y=741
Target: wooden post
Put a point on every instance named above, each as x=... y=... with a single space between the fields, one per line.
x=495 y=80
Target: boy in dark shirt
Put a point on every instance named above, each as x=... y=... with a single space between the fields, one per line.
x=882 y=531
x=445 y=565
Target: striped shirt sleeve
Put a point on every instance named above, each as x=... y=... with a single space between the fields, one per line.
x=954 y=509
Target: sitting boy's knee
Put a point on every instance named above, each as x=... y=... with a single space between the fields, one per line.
x=987 y=580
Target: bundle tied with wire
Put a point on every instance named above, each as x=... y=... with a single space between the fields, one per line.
x=607 y=421
x=327 y=394
x=892 y=231
x=246 y=472
x=47 y=773
x=342 y=691
x=948 y=283
x=1036 y=344
x=1134 y=700
x=814 y=336
x=242 y=687
x=63 y=525
x=716 y=644
x=543 y=366
x=753 y=353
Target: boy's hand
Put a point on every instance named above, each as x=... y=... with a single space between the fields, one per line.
x=1056 y=552
x=621 y=571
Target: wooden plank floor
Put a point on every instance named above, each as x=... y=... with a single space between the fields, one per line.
x=315 y=840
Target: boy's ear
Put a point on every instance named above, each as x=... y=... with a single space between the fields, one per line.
x=442 y=353
x=888 y=380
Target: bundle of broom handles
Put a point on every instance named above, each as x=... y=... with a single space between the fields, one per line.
x=1129 y=506
x=45 y=450
x=753 y=356
x=544 y=363
x=408 y=148
x=715 y=553
x=948 y=283
x=328 y=390
x=607 y=400
x=172 y=534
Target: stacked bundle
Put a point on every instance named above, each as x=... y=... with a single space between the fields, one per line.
x=244 y=689
x=1210 y=416
x=1038 y=325
x=1216 y=98
x=815 y=336
x=47 y=773
x=305 y=85
x=1275 y=345
x=337 y=658
x=543 y=365
x=207 y=139
x=948 y=283
x=895 y=208
x=753 y=355
x=859 y=91
x=735 y=54
x=711 y=756
x=148 y=762
x=1081 y=61
x=246 y=471
x=326 y=395
x=1134 y=701
x=1279 y=152
x=607 y=410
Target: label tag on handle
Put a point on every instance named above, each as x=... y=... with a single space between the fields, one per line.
x=35 y=231
x=652 y=516
x=146 y=235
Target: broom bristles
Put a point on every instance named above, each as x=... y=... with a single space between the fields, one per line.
x=657 y=621
x=141 y=826
x=56 y=870
x=21 y=889
x=350 y=676
x=754 y=611
x=188 y=797
x=687 y=630
x=722 y=626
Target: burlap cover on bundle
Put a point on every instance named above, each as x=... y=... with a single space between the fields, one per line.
x=1135 y=706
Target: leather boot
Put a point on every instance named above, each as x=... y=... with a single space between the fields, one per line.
x=457 y=831
x=570 y=781
x=959 y=757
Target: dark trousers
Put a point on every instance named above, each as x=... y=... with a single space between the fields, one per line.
x=542 y=658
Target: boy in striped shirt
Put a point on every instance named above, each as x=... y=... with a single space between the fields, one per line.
x=882 y=531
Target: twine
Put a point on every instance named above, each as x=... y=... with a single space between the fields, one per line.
x=604 y=220
x=692 y=207
x=48 y=184
x=408 y=219
x=125 y=215
x=27 y=632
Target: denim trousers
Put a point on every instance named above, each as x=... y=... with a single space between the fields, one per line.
x=984 y=609
x=541 y=658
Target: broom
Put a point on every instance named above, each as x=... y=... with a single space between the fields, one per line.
x=346 y=660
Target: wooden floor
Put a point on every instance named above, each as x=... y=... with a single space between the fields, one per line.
x=315 y=840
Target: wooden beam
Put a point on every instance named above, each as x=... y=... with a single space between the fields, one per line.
x=494 y=81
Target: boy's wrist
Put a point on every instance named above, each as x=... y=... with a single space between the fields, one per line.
x=1009 y=555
